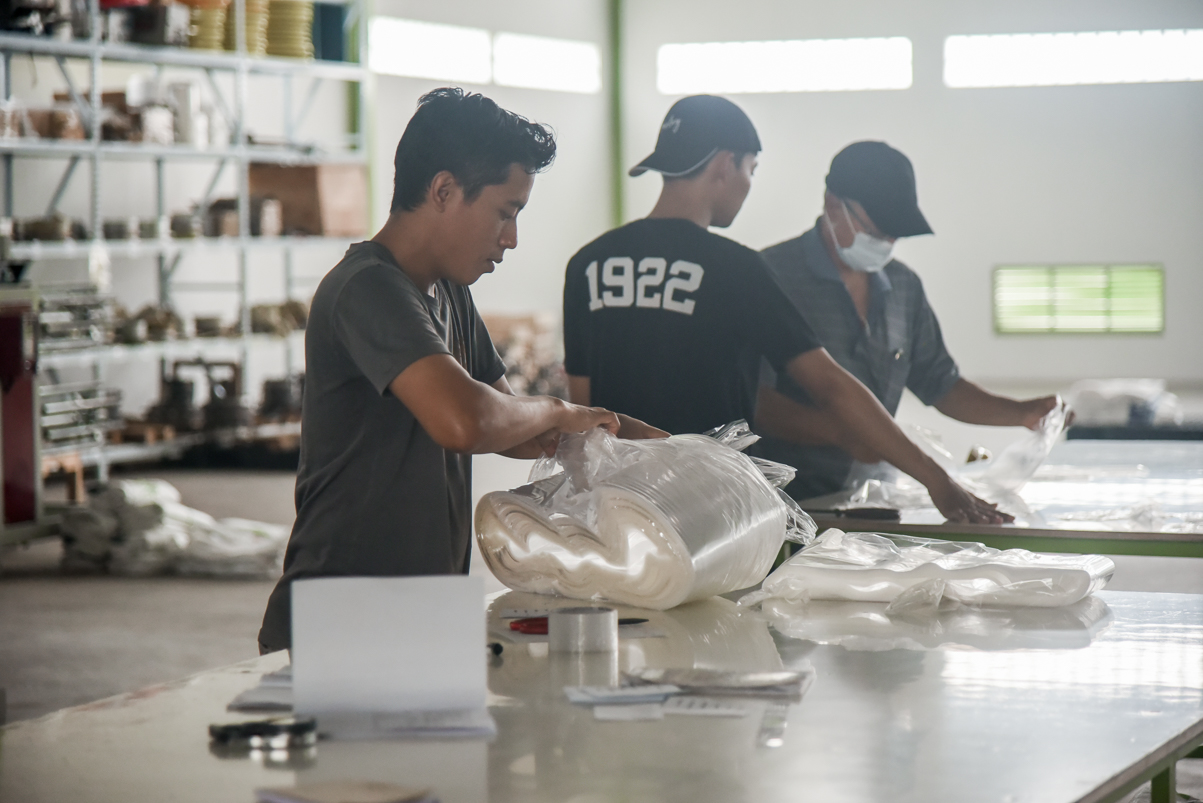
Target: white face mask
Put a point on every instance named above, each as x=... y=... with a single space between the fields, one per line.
x=867 y=254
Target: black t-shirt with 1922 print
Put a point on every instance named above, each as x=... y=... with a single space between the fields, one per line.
x=668 y=321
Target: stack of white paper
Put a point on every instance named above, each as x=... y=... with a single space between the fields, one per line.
x=389 y=657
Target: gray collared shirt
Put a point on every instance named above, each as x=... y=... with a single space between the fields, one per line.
x=899 y=346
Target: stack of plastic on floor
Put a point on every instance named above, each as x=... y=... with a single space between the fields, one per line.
x=646 y=523
x=140 y=528
x=919 y=573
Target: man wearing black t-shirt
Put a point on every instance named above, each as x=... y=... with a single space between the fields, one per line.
x=666 y=322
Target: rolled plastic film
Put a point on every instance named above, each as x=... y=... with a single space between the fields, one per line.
x=585 y=629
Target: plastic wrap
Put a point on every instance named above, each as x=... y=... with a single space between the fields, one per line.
x=140 y=528
x=650 y=523
x=998 y=479
x=872 y=567
x=870 y=626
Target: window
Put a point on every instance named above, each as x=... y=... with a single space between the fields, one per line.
x=813 y=65
x=1079 y=298
x=1062 y=59
x=537 y=62
x=474 y=56
x=427 y=50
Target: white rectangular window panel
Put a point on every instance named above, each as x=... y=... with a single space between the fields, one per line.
x=1065 y=59
x=1079 y=298
x=812 y=65
x=538 y=62
x=427 y=50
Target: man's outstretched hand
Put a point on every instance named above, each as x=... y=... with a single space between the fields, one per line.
x=958 y=505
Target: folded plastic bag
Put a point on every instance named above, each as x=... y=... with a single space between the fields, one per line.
x=650 y=523
x=873 y=567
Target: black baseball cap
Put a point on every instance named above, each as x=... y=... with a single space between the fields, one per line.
x=696 y=128
x=881 y=180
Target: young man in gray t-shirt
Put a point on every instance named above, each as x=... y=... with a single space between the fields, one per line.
x=402 y=382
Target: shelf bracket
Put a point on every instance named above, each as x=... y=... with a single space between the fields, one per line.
x=314 y=85
x=208 y=194
x=220 y=101
x=62 y=186
x=85 y=109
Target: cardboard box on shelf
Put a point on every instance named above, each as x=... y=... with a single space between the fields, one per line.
x=328 y=200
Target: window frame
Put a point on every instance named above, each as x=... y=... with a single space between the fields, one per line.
x=1107 y=268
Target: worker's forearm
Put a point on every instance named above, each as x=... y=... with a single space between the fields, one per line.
x=781 y=417
x=867 y=421
x=497 y=422
x=971 y=404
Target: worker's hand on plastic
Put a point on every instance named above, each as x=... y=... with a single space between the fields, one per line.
x=958 y=505
x=1036 y=409
x=576 y=418
x=548 y=442
x=632 y=429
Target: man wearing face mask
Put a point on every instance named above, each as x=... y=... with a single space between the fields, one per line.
x=870 y=313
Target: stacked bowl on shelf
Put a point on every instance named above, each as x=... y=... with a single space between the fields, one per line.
x=208 y=24
x=290 y=29
x=256 y=28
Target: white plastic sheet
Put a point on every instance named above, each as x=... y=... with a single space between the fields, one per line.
x=917 y=573
x=998 y=479
x=647 y=523
x=140 y=528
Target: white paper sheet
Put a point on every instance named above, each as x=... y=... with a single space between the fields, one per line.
x=388 y=645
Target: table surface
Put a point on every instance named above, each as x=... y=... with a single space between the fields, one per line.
x=1024 y=707
x=1114 y=497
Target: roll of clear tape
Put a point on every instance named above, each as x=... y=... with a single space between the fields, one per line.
x=585 y=629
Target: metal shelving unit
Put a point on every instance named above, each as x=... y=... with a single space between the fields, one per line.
x=240 y=152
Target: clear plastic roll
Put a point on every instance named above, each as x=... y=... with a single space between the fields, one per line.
x=646 y=523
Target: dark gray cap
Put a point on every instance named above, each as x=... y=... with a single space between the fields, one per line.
x=696 y=128
x=882 y=180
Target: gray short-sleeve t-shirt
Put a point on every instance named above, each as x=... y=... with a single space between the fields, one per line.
x=375 y=494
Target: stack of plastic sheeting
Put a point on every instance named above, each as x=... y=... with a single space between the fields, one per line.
x=917 y=573
x=140 y=528
x=647 y=523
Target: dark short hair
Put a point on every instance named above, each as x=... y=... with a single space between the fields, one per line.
x=469 y=136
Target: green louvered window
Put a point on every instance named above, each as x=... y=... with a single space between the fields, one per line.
x=1080 y=299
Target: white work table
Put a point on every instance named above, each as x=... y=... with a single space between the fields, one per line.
x=1043 y=707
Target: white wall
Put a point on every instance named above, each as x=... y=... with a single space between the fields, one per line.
x=1006 y=176
x=570 y=203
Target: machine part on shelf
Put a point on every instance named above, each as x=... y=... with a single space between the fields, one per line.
x=152 y=228
x=282 y=399
x=53 y=228
x=329 y=24
x=146 y=432
x=187 y=225
x=224 y=409
x=35 y=17
x=75 y=317
x=321 y=200
x=123 y=228
x=162 y=323
x=208 y=326
x=166 y=24
x=267 y=217
x=176 y=406
x=157 y=125
x=279 y=319
x=117 y=25
x=191 y=123
x=66 y=123
x=78 y=414
x=528 y=346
